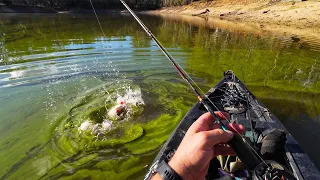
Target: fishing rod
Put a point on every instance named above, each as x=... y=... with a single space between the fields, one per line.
x=176 y=65
x=242 y=148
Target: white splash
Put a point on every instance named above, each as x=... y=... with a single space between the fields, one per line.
x=131 y=97
x=86 y=126
x=106 y=125
x=127 y=104
x=96 y=128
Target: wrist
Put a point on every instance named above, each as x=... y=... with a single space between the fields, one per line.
x=180 y=168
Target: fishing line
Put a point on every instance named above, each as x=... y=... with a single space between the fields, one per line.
x=243 y=138
x=191 y=82
x=243 y=99
x=247 y=97
x=105 y=38
x=95 y=13
x=180 y=70
x=262 y=109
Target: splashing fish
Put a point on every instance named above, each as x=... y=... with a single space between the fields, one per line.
x=118 y=110
x=129 y=104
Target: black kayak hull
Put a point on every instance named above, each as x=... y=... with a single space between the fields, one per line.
x=299 y=162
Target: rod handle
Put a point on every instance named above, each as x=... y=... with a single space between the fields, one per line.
x=244 y=152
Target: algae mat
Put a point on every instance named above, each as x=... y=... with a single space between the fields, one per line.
x=122 y=152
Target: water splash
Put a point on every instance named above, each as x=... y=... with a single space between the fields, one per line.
x=313 y=75
x=3 y=50
x=126 y=106
x=88 y=126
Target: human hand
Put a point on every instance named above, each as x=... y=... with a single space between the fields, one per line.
x=203 y=141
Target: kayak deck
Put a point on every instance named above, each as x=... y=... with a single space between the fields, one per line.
x=260 y=117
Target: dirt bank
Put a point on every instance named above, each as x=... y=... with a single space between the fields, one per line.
x=292 y=18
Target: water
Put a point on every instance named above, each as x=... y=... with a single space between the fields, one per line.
x=59 y=71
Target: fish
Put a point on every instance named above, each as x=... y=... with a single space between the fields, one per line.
x=118 y=111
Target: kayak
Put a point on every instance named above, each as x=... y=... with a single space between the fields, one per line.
x=263 y=130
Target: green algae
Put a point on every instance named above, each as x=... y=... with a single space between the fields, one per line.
x=157 y=132
x=72 y=142
x=97 y=114
x=114 y=169
x=13 y=69
x=273 y=97
x=93 y=106
x=129 y=142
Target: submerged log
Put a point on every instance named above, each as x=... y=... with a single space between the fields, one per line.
x=204 y=12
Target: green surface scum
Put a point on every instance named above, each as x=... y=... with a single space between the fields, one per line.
x=93 y=107
x=126 y=142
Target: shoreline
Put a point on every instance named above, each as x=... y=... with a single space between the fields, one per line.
x=19 y=9
x=293 y=21
x=8 y=9
x=298 y=20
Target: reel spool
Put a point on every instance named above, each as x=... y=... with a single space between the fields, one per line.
x=271 y=170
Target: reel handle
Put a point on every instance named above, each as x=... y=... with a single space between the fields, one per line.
x=244 y=152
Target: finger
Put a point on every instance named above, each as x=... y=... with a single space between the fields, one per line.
x=203 y=123
x=222 y=115
x=222 y=149
x=216 y=136
x=236 y=128
x=216 y=126
x=206 y=121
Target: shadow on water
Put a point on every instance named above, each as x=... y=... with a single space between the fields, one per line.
x=301 y=125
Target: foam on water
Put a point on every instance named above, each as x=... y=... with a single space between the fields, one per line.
x=129 y=101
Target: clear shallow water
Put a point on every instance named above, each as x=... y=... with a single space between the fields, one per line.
x=56 y=69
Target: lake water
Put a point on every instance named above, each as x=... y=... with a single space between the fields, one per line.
x=59 y=71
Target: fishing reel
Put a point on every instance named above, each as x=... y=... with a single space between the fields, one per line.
x=261 y=168
x=267 y=170
x=271 y=170
x=234 y=100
